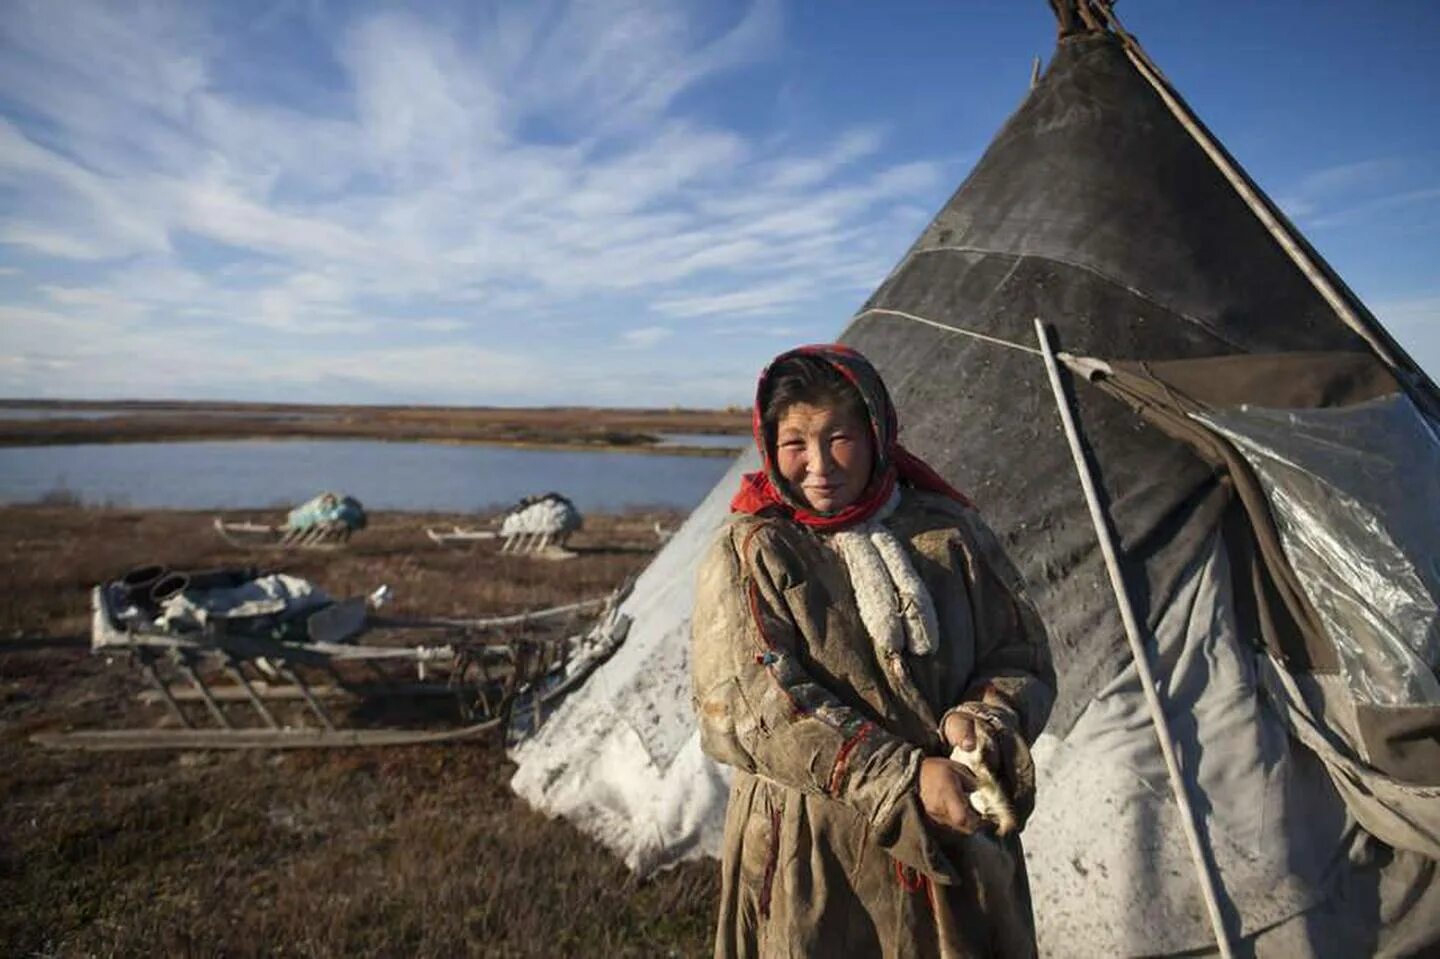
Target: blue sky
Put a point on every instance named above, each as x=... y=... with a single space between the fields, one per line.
x=619 y=202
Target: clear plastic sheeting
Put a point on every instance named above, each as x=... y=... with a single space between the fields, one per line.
x=1355 y=493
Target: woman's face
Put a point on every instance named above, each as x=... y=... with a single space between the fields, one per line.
x=825 y=454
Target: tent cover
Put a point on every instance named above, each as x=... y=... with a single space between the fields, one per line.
x=1267 y=458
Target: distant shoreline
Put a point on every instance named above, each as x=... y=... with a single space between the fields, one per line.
x=565 y=428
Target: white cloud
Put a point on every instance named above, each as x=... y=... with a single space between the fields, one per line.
x=438 y=324
x=646 y=336
x=21 y=324
x=785 y=332
x=1380 y=204
x=1348 y=177
x=1348 y=193
x=766 y=298
x=511 y=174
x=446 y=372
x=615 y=64
x=808 y=171
x=106 y=215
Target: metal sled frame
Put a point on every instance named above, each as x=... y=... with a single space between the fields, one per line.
x=230 y=691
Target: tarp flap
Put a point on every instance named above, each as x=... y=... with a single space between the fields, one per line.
x=1354 y=494
x=1342 y=506
x=1289 y=380
x=1109 y=867
x=1318 y=712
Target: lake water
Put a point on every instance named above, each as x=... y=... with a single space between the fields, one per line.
x=404 y=476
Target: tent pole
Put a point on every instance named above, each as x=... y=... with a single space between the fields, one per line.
x=1203 y=867
x=1250 y=194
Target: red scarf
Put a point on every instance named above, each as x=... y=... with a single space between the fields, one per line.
x=763 y=490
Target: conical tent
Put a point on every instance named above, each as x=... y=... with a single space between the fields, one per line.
x=1266 y=456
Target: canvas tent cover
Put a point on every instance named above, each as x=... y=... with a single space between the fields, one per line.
x=1284 y=574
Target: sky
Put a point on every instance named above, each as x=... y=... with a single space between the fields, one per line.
x=600 y=202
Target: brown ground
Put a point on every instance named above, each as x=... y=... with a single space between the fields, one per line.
x=550 y=427
x=400 y=851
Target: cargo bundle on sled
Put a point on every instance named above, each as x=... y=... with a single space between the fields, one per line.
x=536 y=526
x=326 y=521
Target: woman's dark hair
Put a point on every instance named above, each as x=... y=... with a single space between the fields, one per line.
x=811 y=380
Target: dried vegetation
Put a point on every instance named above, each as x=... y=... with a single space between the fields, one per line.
x=407 y=851
x=623 y=429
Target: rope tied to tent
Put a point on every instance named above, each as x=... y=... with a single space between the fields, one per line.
x=974 y=334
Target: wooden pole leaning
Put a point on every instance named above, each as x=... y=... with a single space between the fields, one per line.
x=1265 y=211
x=1203 y=868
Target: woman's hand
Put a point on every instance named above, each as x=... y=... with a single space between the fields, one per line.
x=959 y=731
x=984 y=729
x=984 y=738
x=945 y=795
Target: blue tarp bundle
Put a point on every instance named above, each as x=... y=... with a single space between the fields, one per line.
x=327 y=508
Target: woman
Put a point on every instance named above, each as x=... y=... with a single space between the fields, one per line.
x=855 y=622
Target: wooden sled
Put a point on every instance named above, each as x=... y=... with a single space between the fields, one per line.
x=262 y=536
x=459 y=535
x=231 y=690
x=538 y=545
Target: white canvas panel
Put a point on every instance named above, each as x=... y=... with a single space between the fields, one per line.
x=621 y=756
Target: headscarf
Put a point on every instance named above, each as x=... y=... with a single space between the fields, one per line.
x=894 y=464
